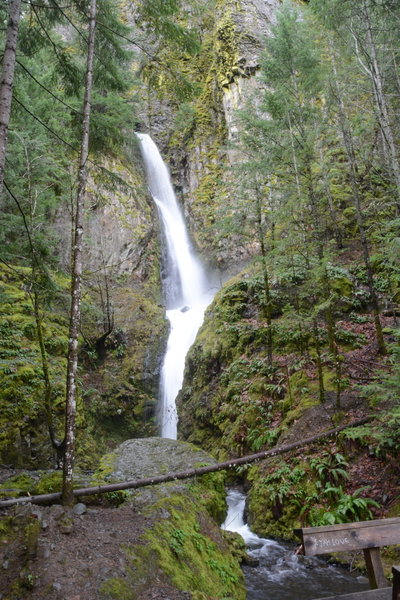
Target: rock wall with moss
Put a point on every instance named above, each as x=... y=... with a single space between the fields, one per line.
x=122 y=330
x=190 y=111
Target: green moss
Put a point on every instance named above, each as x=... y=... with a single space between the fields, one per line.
x=184 y=551
x=22 y=424
x=48 y=483
x=210 y=493
x=278 y=495
x=105 y=468
x=116 y=588
x=18 y=485
x=295 y=413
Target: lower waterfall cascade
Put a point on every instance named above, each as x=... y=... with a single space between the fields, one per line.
x=187 y=288
x=281 y=574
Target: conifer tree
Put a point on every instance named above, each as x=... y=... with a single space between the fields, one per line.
x=7 y=78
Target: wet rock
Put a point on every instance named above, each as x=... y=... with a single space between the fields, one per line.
x=250 y=561
x=56 y=510
x=79 y=509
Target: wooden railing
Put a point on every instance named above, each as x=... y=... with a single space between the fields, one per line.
x=369 y=536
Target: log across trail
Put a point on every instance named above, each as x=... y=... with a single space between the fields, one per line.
x=138 y=483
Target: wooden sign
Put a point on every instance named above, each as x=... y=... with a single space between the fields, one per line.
x=350 y=536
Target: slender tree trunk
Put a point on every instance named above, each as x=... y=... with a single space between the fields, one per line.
x=267 y=304
x=72 y=365
x=331 y=205
x=320 y=372
x=48 y=408
x=353 y=173
x=7 y=79
x=338 y=369
x=381 y=105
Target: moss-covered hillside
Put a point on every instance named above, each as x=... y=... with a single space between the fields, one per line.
x=235 y=402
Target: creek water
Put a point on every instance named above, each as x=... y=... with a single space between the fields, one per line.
x=281 y=574
x=188 y=288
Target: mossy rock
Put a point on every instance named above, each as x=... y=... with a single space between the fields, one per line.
x=185 y=546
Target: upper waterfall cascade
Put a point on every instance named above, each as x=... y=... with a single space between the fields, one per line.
x=188 y=290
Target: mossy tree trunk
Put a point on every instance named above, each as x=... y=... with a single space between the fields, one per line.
x=7 y=79
x=72 y=359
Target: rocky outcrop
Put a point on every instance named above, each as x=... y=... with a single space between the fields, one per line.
x=194 y=127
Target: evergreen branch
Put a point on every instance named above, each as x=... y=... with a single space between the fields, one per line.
x=77 y=112
x=107 y=172
x=71 y=22
x=31 y=245
x=107 y=67
x=44 y=125
x=124 y=37
x=43 y=28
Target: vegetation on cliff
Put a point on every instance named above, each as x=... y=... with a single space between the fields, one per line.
x=300 y=339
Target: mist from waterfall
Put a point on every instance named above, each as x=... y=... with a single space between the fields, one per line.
x=187 y=289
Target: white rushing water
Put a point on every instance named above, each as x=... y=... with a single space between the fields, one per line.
x=281 y=574
x=188 y=290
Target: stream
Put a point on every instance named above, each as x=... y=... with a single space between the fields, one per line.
x=280 y=574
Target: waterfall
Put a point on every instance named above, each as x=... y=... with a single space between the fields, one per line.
x=278 y=573
x=187 y=289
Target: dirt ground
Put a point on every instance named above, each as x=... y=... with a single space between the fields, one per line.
x=55 y=555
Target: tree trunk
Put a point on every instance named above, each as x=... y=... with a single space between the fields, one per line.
x=353 y=173
x=320 y=371
x=381 y=105
x=267 y=304
x=76 y=277
x=332 y=210
x=7 y=79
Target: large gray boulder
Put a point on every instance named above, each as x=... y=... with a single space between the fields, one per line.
x=147 y=457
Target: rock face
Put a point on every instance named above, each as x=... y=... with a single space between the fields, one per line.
x=125 y=327
x=193 y=134
x=135 y=459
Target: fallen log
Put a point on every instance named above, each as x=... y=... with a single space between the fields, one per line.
x=138 y=483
